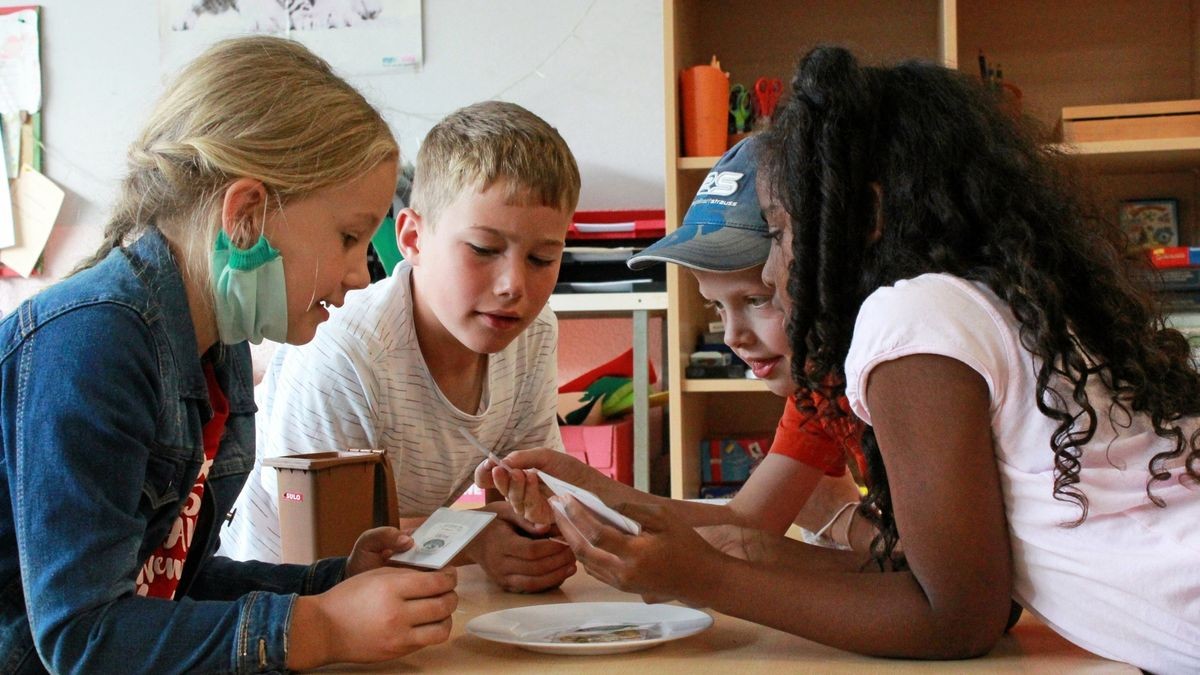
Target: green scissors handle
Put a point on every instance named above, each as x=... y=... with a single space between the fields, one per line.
x=739 y=107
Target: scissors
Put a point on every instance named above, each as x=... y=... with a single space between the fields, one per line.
x=767 y=91
x=739 y=107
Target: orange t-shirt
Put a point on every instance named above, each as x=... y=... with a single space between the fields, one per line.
x=818 y=441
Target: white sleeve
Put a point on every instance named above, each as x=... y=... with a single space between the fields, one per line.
x=538 y=427
x=931 y=314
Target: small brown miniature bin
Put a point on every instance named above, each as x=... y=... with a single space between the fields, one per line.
x=327 y=499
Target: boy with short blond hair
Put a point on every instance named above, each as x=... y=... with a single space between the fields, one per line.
x=459 y=336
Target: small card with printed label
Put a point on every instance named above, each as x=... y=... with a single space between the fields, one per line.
x=442 y=536
x=590 y=500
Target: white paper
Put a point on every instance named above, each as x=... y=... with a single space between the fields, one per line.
x=10 y=126
x=20 y=66
x=35 y=205
x=442 y=536
x=8 y=225
x=590 y=500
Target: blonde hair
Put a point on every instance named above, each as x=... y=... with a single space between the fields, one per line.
x=257 y=107
x=476 y=146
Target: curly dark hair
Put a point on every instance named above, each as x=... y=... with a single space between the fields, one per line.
x=964 y=188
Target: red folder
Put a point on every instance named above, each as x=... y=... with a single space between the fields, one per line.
x=620 y=224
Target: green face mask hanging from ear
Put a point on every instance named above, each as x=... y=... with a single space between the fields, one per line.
x=251 y=296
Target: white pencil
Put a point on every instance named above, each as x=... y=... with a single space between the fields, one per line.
x=479 y=446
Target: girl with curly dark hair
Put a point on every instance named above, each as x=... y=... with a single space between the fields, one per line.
x=1033 y=422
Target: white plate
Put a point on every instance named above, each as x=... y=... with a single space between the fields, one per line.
x=536 y=627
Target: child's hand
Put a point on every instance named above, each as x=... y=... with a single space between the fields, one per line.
x=374 y=547
x=649 y=564
x=378 y=615
x=528 y=496
x=515 y=561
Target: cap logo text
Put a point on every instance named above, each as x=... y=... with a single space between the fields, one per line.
x=720 y=183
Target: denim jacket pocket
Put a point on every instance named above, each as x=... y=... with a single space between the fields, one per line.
x=167 y=480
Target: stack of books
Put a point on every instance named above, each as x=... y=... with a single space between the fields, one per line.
x=599 y=243
x=1177 y=277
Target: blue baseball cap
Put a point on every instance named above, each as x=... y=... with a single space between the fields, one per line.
x=724 y=229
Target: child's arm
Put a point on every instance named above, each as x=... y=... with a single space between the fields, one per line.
x=932 y=421
x=931 y=417
x=775 y=493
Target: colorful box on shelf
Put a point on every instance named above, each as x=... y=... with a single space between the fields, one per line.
x=605 y=447
x=623 y=224
x=1131 y=121
x=1178 y=280
x=731 y=460
x=1166 y=257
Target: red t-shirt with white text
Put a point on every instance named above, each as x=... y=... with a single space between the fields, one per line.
x=159 y=576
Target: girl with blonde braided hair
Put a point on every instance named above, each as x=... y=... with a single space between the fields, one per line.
x=128 y=425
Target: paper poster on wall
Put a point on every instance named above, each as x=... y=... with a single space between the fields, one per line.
x=20 y=64
x=357 y=37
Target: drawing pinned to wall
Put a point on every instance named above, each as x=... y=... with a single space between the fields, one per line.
x=20 y=105
x=357 y=37
x=20 y=66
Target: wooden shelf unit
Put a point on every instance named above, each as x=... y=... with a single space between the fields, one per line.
x=1059 y=52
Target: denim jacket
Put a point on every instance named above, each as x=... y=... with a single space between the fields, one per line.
x=104 y=401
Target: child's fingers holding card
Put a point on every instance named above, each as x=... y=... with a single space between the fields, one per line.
x=590 y=539
x=648 y=562
x=374 y=547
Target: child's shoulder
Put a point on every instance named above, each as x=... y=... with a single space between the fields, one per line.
x=933 y=294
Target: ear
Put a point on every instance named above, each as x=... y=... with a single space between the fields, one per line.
x=243 y=210
x=409 y=226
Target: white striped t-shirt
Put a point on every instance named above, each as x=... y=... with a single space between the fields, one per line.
x=363 y=383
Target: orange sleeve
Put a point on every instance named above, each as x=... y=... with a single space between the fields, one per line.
x=803 y=438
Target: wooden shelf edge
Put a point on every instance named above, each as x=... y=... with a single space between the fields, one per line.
x=719 y=385
x=607 y=303
x=1140 y=155
x=695 y=163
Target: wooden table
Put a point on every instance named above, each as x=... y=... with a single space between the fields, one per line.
x=731 y=645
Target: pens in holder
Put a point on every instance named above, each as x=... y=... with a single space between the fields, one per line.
x=479 y=446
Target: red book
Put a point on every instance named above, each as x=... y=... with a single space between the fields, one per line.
x=1166 y=257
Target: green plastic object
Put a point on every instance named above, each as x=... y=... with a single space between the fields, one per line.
x=618 y=401
x=384 y=242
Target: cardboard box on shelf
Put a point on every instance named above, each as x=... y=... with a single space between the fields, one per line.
x=327 y=499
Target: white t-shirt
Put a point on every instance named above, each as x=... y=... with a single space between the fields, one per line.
x=1126 y=583
x=363 y=383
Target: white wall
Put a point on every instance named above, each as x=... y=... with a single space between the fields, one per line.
x=592 y=68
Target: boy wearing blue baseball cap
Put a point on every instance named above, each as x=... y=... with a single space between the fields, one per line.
x=723 y=242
